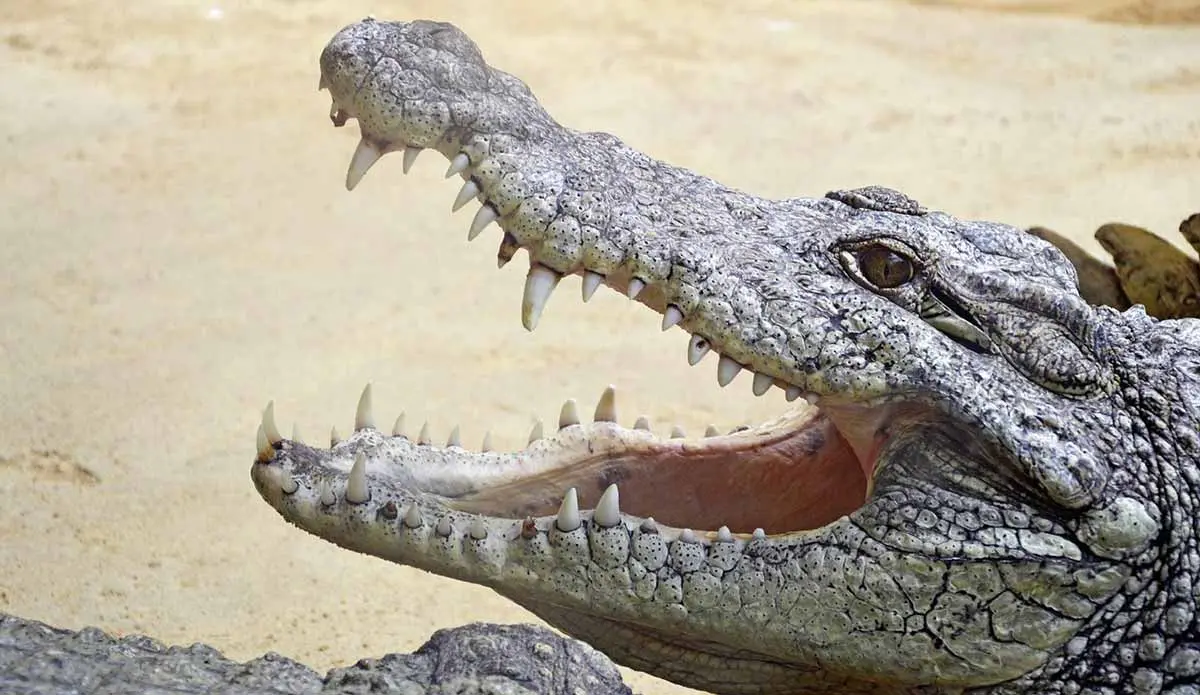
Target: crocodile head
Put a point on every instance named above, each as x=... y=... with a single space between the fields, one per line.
x=986 y=483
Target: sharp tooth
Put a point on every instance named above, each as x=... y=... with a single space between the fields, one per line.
x=487 y=442
x=356 y=486
x=671 y=317
x=458 y=165
x=724 y=535
x=539 y=283
x=455 y=438
x=568 y=513
x=712 y=431
x=642 y=423
x=268 y=424
x=266 y=452
x=412 y=518
x=608 y=509
x=485 y=216
x=762 y=383
x=334 y=437
x=365 y=155
x=444 y=528
x=727 y=369
x=410 y=157
x=635 y=288
x=606 y=409
x=398 y=426
x=697 y=348
x=677 y=432
x=296 y=434
x=687 y=536
x=466 y=194
x=648 y=525
x=591 y=283
x=325 y=493
x=423 y=438
x=477 y=529
x=363 y=418
x=508 y=249
x=537 y=432
x=287 y=484
x=758 y=534
x=569 y=415
x=792 y=393
x=812 y=398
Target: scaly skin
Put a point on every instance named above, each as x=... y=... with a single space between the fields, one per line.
x=996 y=492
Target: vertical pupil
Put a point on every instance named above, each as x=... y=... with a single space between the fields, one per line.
x=884 y=267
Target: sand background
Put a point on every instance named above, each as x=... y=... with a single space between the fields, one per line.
x=177 y=247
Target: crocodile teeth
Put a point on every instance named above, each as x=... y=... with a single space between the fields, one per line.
x=687 y=536
x=296 y=434
x=569 y=415
x=648 y=525
x=568 y=513
x=410 y=157
x=635 y=288
x=477 y=529
x=334 y=437
x=671 y=317
x=398 y=426
x=758 y=534
x=287 y=483
x=792 y=393
x=266 y=452
x=466 y=194
x=363 y=417
x=482 y=219
x=268 y=424
x=537 y=432
x=677 y=432
x=325 y=493
x=727 y=369
x=608 y=509
x=455 y=438
x=487 y=443
x=697 y=348
x=591 y=282
x=412 y=518
x=458 y=165
x=423 y=438
x=762 y=383
x=606 y=409
x=444 y=528
x=539 y=283
x=642 y=423
x=508 y=249
x=356 y=486
x=365 y=156
x=712 y=431
x=724 y=535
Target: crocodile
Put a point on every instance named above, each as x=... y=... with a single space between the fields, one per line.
x=985 y=483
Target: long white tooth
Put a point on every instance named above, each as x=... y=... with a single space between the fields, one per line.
x=365 y=156
x=325 y=493
x=287 y=483
x=608 y=509
x=477 y=529
x=356 y=486
x=697 y=348
x=410 y=157
x=455 y=438
x=508 y=249
x=677 y=432
x=268 y=424
x=671 y=317
x=364 y=419
x=635 y=288
x=606 y=409
x=792 y=393
x=266 y=452
x=485 y=216
x=568 y=513
x=727 y=369
x=724 y=535
x=412 y=518
x=591 y=283
x=569 y=415
x=458 y=165
x=296 y=434
x=537 y=432
x=334 y=437
x=642 y=423
x=712 y=431
x=539 y=284
x=398 y=426
x=423 y=438
x=466 y=194
x=487 y=442
x=762 y=383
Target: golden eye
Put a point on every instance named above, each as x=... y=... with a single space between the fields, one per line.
x=883 y=267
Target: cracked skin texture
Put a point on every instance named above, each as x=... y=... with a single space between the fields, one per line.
x=1019 y=468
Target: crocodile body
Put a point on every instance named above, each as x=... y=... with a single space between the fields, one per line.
x=990 y=485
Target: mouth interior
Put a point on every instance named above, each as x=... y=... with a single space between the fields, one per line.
x=795 y=474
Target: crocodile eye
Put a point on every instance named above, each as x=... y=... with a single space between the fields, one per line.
x=883 y=267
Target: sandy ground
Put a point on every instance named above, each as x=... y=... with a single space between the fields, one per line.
x=177 y=247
